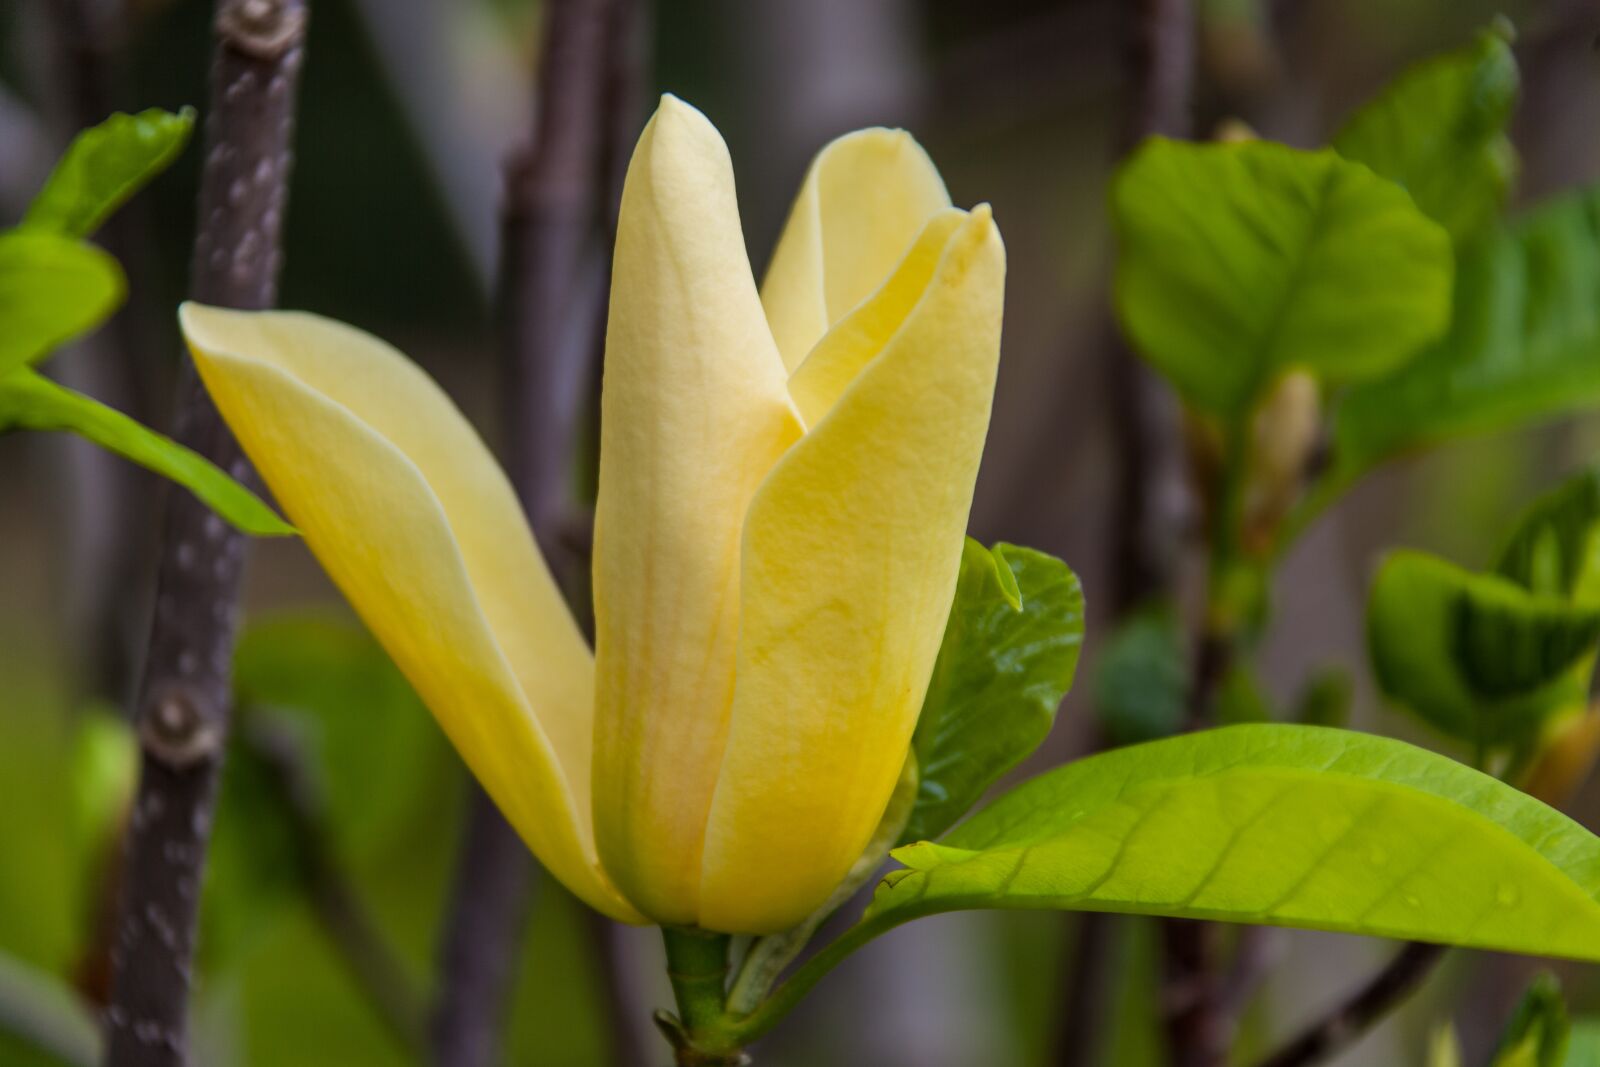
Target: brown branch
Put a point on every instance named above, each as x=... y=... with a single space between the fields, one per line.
x=183 y=701
x=550 y=282
x=1384 y=992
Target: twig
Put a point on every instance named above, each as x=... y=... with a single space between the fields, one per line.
x=39 y=1011
x=1143 y=528
x=183 y=703
x=377 y=970
x=1385 y=991
x=548 y=227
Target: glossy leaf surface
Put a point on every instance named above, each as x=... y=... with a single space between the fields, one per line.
x=1009 y=653
x=1283 y=825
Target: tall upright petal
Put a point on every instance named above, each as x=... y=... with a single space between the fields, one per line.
x=850 y=558
x=407 y=511
x=866 y=197
x=694 y=414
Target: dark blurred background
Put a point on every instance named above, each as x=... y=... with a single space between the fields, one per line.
x=408 y=108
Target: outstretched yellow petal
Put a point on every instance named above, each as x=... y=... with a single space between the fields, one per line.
x=412 y=519
x=864 y=200
x=694 y=414
x=850 y=557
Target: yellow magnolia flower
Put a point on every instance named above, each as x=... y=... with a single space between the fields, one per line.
x=785 y=478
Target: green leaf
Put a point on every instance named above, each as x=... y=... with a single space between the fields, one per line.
x=1537 y=1033
x=1009 y=654
x=51 y=290
x=1440 y=131
x=30 y=402
x=1583 y=1044
x=1324 y=700
x=1524 y=344
x=104 y=166
x=1476 y=655
x=1555 y=549
x=369 y=732
x=1142 y=678
x=1276 y=824
x=319 y=689
x=1238 y=262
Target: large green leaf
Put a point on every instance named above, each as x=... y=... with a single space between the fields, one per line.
x=1283 y=825
x=1440 y=131
x=104 y=166
x=30 y=402
x=51 y=290
x=1476 y=655
x=1238 y=262
x=1524 y=344
x=1009 y=653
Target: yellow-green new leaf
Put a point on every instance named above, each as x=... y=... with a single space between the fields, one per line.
x=104 y=166
x=52 y=289
x=30 y=402
x=1281 y=825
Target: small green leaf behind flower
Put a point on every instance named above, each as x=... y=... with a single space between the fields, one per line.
x=1440 y=131
x=1490 y=658
x=104 y=166
x=1009 y=654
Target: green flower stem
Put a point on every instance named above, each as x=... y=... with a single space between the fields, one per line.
x=697 y=966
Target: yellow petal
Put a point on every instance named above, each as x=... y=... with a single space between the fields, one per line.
x=850 y=558
x=694 y=413
x=864 y=200
x=408 y=513
x=841 y=354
